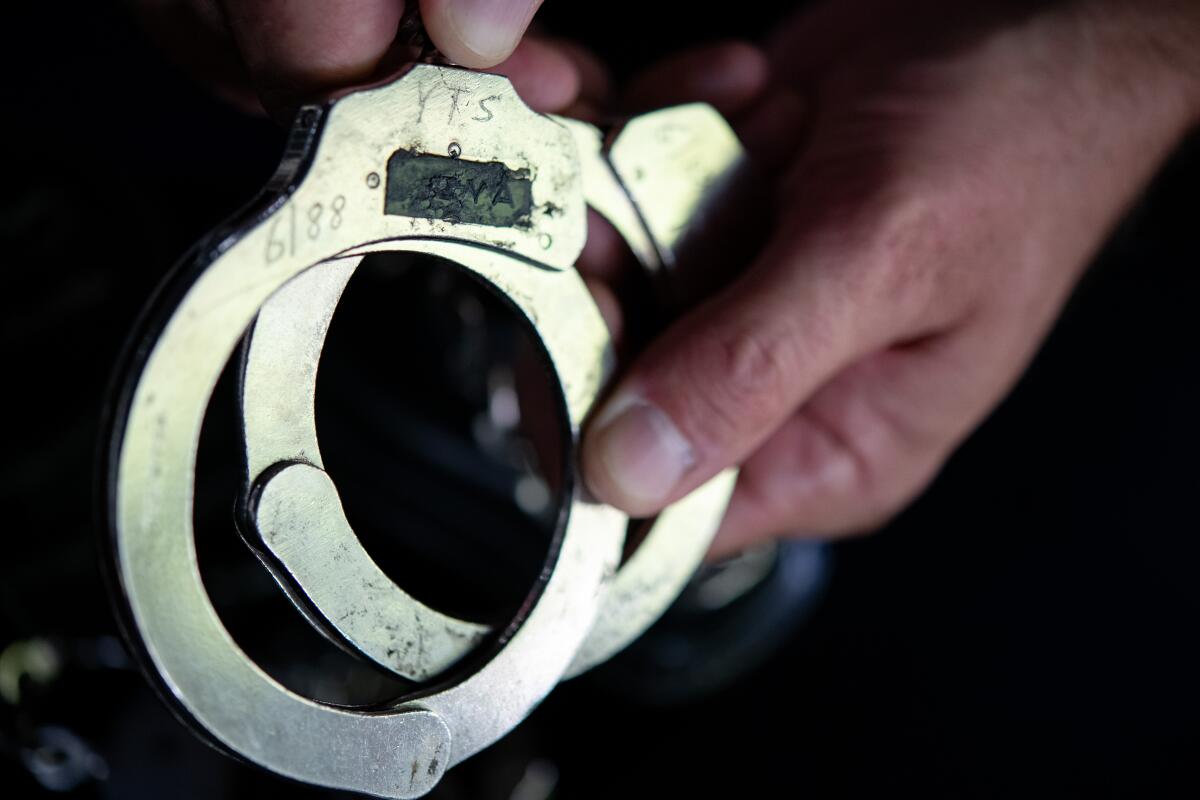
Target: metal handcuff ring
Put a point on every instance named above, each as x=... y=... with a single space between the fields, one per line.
x=448 y=163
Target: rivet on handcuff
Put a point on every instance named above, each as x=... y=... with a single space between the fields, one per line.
x=447 y=163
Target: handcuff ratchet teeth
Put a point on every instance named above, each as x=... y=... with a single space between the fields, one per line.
x=446 y=163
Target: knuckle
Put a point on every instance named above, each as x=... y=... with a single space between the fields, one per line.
x=891 y=246
x=755 y=362
x=903 y=233
x=922 y=266
x=871 y=475
x=745 y=370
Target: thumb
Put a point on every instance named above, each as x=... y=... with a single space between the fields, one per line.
x=477 y=33
x=720 y=381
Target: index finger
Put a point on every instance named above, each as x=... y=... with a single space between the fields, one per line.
x=297 y=50
x=294 y=49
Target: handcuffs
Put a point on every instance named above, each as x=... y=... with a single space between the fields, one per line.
x=451 y=164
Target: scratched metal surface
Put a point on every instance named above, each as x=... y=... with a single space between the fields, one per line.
x=296 y=517
x=674 y=161
x=403 y=751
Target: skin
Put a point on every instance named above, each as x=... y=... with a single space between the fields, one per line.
x=941 y=175
x=951 y=181
x=281 y=53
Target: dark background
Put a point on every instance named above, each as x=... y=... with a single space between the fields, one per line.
x=1026 y=628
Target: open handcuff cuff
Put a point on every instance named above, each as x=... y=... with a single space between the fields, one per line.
x=449 y=164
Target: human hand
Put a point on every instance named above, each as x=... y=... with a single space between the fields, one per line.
x=280 y=53
x=959 y=167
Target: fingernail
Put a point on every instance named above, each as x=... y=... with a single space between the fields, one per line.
x=641 y=451
x=490 y=28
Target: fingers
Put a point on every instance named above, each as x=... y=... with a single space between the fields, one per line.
x=543 y=74
x=605 y=255
x=874 y=436
x=477 y=33
x=823 y=35
x=850 y=458
x=610 y=308
x=595 y=82
x=774 y=128
x=294 y=50
x=196 y=37
x=728 y=76
x=711 y=390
